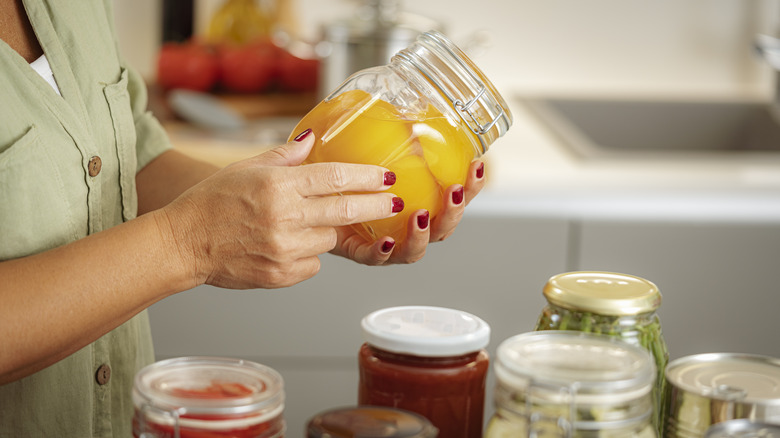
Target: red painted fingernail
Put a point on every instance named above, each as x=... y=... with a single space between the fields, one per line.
x=302 y=135
x=398 y=204
x=389 y=178
x=481 y=171
x=457 y=196
x=422 y=220
x=387 y=246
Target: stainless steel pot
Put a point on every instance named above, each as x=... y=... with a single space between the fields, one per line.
x=376 y=31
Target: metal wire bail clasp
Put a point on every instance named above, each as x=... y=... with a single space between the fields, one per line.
x=160 y=416
x=542 y=425
x=472 y=122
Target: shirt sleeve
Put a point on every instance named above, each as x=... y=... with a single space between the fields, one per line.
x=152 y=139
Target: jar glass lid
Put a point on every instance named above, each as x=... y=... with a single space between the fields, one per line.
x=210 y=386
x=470 y=93
x=370 y=422
x=557 y=363
x=605 y=293
x=425 y=331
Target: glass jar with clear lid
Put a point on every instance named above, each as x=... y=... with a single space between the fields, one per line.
x=425 y=116
x=620 y=305
x=369 y=421
x=572 y=384
x=199 y=397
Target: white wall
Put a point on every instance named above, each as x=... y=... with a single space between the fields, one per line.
x=637 y=46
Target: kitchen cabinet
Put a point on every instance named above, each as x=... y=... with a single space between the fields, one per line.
x=719 y=281
x=493 y=266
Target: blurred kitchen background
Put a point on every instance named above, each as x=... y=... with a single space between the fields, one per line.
x=643 y=142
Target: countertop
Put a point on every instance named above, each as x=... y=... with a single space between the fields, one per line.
x=532 y=173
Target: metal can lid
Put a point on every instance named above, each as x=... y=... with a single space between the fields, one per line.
x=605 y=293
x=370 y=421
x=600 y=368
x=211 y=386
x=425 y=331
x=743 y=429
x=745 y=378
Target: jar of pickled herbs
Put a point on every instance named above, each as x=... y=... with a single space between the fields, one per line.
x=427 y=360
x=199 y=397
x=425 y=116
x=614 y=304
x=569 y=384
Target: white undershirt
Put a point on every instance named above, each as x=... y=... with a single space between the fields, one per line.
x=42 y=67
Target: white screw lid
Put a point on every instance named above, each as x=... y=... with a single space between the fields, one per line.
x=425 y=331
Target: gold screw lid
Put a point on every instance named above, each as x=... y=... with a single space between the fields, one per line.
x=605 y=293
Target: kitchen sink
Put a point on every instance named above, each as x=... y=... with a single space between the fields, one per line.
x=602 y=128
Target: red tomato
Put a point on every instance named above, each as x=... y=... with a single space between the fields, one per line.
x=248 y=69
x=297 y=74
x=188 y=65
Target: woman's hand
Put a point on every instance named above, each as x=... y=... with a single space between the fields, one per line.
x=421 y=230
x=263 y=221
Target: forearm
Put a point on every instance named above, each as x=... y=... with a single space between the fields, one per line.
x=56 y=302
x=168 y=176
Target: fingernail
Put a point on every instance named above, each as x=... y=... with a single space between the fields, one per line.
x=422 y=220
x=481 y=171
x=389 y=178
x=387 y=246
x=457 y=196
x=303 y=135
x=398 y=204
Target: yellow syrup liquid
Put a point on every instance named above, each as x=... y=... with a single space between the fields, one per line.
x=427 y=152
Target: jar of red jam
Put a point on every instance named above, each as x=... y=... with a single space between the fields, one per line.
x=369 y=421
x=200 y=397
x=425 y=116
x=428 y=360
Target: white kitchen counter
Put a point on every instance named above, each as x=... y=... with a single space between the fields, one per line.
x=532 y=173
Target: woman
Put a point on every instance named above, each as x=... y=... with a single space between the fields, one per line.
x=100 y=218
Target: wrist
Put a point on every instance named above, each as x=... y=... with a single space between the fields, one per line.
x=182 y=243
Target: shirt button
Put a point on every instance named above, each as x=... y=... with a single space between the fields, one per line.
x=103 y=374
x=95 y=164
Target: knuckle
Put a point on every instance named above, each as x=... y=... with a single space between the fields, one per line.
x=337 y=176
x=347 y=210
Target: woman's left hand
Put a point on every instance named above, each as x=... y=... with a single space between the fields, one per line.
x=421 y=230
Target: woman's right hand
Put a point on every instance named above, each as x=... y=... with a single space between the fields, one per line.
x=263 y=221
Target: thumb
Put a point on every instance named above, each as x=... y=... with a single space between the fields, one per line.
x=291 y=154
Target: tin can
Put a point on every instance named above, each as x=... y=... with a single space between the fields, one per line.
x=743 y=429
x=427 y=360
x=197 y=397
x=707 y=389
x=610 y=303
x=369 y=421
x=566 y=384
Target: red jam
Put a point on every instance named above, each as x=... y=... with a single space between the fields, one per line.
x=270 y=428
x=448 y=391
x=208 y=398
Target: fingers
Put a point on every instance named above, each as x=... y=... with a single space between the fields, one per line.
x=329 y=178
x=350 y=209
x=454 y=203
x=417 y=238
x=455 y=199
x=475 y=181
x=291 y=154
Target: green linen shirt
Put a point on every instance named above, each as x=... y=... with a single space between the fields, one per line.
x=48 y=198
